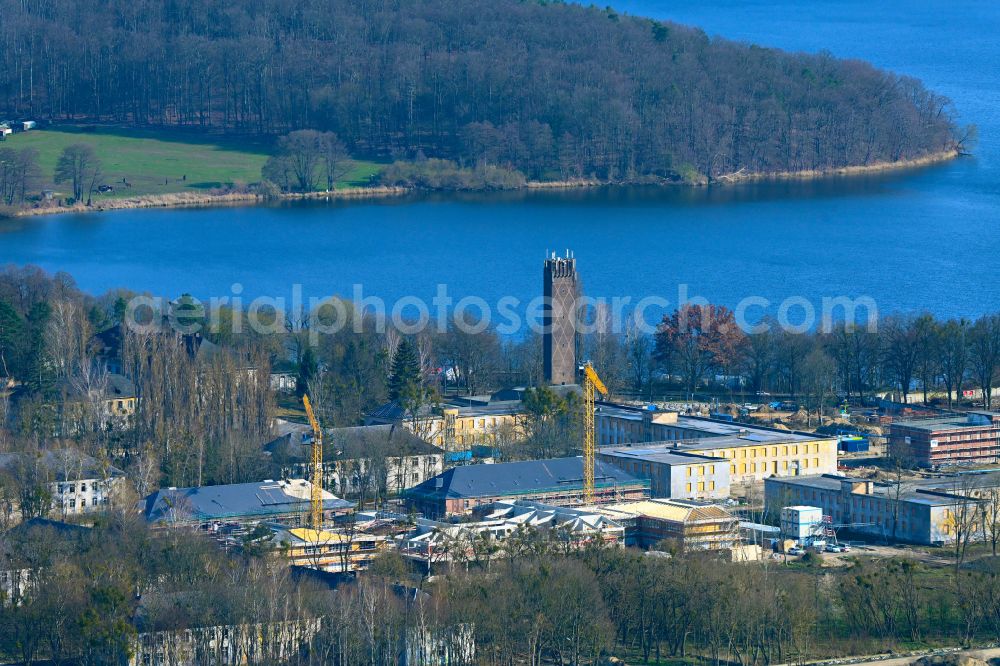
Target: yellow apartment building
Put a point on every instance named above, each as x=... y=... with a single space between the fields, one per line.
x=754 y=452
x=457 y=428
x=752 y=461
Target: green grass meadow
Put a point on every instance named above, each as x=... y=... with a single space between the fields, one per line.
x=161 y=161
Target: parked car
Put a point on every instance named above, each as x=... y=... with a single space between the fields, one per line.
x=796 y=550
x=845 y=548
x=833 y=548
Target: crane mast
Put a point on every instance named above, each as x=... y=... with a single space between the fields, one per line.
x=592 y=385
x=316 y=465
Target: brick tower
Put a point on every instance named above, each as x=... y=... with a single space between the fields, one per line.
x=561 y=289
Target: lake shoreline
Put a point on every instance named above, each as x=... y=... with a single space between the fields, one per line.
x=858 y=170
x=236 y=199
x=195 y=200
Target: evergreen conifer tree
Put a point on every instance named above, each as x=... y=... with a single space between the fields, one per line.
x=405 y=384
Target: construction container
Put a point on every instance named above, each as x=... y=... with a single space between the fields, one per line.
x=853 y=444
x=800 y=522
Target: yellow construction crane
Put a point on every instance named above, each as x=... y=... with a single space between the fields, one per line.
x=592 y=385
x=316 y=498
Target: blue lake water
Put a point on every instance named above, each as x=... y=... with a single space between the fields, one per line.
x=920 y=240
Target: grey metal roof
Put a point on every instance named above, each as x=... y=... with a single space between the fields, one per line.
x=116 y=387
x=238 y=500
x=353 y=442
x=817 y=481
x=60 y=465
x=664 y=454
x=531 y=476
x=937 y=491
x=948 y=422
x=752 y=439
x=358 y=441
x=393 y=411
x=707 y=427
x=31 y=526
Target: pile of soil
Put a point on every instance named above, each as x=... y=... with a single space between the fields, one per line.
x=799 y=417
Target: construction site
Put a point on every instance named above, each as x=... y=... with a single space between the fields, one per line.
x=686 y=478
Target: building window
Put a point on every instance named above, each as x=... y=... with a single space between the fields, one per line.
x=701 y=470
x=711 y=485
x=83 y=487
x=732 y=469
x=815 y=462
x=689 y=470
x=689 y=487
x=701 y=486
x=711 y=469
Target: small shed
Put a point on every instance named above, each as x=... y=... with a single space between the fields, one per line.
x=29 y=125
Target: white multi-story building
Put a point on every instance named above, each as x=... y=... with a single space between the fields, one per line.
x=361 y=459
x=77 y=483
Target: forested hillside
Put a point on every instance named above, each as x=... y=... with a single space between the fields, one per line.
x=555 y=90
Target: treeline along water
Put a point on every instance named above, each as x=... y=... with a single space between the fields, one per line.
x=911 y=241
x=555 y=90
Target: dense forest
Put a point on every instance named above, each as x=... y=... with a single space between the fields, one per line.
x=554 y=90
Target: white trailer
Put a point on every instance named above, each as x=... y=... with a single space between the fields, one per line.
x=801 y=523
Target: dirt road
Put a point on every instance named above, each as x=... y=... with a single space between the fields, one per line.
x=984 y=654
